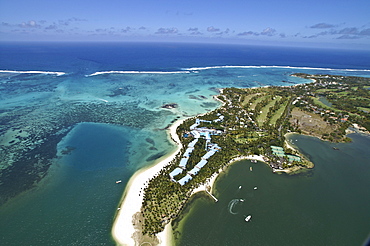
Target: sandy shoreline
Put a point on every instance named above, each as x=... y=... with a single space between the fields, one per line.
x=123 y=228
x=208 y=186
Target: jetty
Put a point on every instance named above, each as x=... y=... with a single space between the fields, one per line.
x=214 y=198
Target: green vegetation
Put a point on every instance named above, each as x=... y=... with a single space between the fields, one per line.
x=258 y=98
x=262 y=117
x=278 y=113
x=255 y=121
x=348 y=95
x=317 y=102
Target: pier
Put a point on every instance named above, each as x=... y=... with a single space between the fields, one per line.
x=214 y=198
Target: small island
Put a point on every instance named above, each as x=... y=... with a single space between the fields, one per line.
x=251 y=124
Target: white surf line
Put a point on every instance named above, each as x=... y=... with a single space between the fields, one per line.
x=290 y=67
x=135 y=72
x=101 y=99
x=33 y=72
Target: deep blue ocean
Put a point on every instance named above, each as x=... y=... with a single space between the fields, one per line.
x=76 y=201
x=87 y=58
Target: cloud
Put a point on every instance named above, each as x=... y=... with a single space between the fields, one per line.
x=29 y=24
x=322 y=26
x=268 y=31
x=5 y=24
x=365 y=32
x=76 y=19
x=348 y=37
x=51 y=27
x=195 y=29
x=171 y=30
x=344 y=33
x=196 y=33
x=223 y=32
x=142 y=28
x=349 y=30
x=249 y=33
x=311 y=36
x=126 y=30
x=212 y=29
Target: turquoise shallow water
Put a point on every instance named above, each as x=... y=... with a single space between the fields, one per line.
x=325 y=206
x=76 y=189
x=76 y=202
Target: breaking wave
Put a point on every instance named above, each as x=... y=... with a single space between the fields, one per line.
x=289 y=67
x=33 y=72
x=135 y=72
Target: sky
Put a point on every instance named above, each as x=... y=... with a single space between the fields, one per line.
x=315 y=23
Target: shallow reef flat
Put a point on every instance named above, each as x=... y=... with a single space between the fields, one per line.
x=29 y=136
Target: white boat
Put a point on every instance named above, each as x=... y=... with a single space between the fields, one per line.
x=248 y=218
x=118 y=181
x=255 y=188
x=240 y=187
x=250 y=168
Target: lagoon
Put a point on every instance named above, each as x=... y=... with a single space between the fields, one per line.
x=324 y=206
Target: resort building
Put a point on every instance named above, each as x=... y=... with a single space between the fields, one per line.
x=185 y=179
x=183 y=162
x=210 y=147
x=175 y=172
x=194 y=171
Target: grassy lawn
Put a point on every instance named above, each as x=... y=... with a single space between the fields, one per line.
x=259 y=99
x=364 y=109
x=278 y=113
x=319 y=103
x=243 y=138
x=262 y=117
x=247 y=99
x=325 y=90
x=342 y=93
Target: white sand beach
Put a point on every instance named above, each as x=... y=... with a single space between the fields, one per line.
x=123 y=228
x=208 y=186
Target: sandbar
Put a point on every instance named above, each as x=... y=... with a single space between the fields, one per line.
x=123 y=227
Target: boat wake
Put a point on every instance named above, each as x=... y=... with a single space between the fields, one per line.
x=232 y=205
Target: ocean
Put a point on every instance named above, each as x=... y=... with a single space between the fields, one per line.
x=100 y=119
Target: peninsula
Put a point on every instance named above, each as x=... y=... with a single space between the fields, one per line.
x=251 y=124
